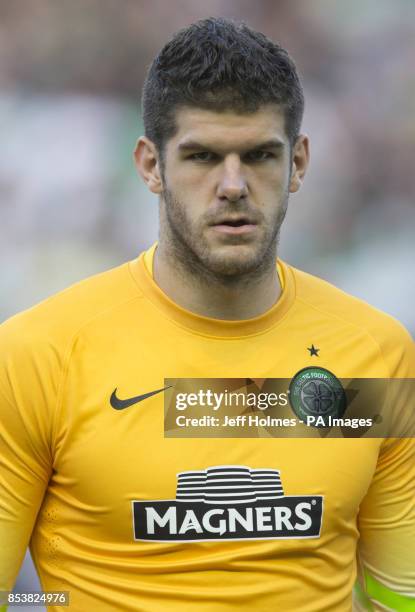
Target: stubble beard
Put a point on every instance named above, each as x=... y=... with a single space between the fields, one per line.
x=186 y=244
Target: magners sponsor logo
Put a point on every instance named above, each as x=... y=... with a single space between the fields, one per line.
x=228 y=502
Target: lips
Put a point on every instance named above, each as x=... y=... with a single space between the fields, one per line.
x=234 y=221
x=234 y=225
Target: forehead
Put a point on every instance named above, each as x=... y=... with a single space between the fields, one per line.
x=228 y=129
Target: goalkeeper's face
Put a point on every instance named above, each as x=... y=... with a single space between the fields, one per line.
x=225 y=182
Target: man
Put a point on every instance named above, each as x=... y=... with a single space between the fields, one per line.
x=89 y=463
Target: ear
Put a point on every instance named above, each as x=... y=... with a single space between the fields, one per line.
x=147 y=163
x=299 y=164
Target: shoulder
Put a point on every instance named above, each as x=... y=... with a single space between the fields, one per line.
x=358 y=318
x=54 y=321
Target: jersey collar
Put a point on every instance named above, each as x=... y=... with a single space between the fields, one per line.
x=141 y=270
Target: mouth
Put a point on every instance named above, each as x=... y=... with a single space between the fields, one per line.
x=234 y=225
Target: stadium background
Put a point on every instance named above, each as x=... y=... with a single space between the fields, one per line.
x=71 y=203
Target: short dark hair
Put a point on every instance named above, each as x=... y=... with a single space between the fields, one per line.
x=219 y=64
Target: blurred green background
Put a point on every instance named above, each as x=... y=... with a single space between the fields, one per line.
x=71 y=203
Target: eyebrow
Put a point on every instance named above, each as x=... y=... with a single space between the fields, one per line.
x=193 y=145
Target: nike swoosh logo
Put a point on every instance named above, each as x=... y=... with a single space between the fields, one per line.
x=120 y=404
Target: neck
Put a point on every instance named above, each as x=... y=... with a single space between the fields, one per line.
x=205 y=294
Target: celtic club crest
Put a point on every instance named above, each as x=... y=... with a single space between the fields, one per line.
x=317 y=392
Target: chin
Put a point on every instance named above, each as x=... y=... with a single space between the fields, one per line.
x=236 y=264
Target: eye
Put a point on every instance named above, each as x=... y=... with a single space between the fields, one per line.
x=203 y=156
x=258 y=156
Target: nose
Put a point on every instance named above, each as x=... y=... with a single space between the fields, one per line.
x=232 y=184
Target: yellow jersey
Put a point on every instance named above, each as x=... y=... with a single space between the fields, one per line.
x=118 y=514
